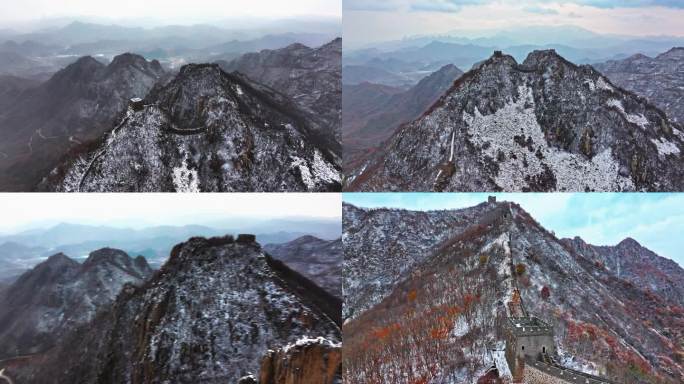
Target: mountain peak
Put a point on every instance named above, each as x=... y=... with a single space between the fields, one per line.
x=59 y=259
x=629 y=242
x=83 y=70
x=544 y=57
x=674 y=53
x=107 y=255
x=127 y=58
x=204 y=69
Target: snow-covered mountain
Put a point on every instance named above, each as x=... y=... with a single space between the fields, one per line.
x=206 y=130
x=428 y=294
x=632 y=262
x=311 y=77
x=543 y=125
x=77 y=104
x=317 y=259
x=660 y=79
x=214 y=311
x=60 y=294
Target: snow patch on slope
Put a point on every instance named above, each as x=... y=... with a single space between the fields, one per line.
x=184 y=178
x=639 y=119
x=496 y=133
x=665 y=147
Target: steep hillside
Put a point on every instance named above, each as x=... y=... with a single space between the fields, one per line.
x=659 y=79
x=77 y=104
x=60 y=294
x=372 y=112
x=311 y=77
x=205 y=130
x=630 y=261
x=317 y=259
x=440 y=320
x=210 y=315
x=543 y=125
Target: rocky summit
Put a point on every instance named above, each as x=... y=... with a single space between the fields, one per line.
x=211 y=314
x=543 y=125
x=449 y=284
x=206 y=130
x=660 y=79
x=60 y=294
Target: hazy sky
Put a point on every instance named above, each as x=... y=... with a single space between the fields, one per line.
x=172 y=11
x=142 y=209
x=655 y=220
x=381 y=20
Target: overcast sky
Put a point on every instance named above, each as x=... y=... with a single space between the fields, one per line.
x=172 y=11
x=367 y=21
x=655 y=220
x=20 y=211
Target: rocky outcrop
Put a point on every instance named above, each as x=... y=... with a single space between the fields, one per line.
x=305 y=361
x=659 y=79
x=543 y=125
x=206 y=130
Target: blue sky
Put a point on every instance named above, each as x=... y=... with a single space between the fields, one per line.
x=373 y=21
x=656 y=220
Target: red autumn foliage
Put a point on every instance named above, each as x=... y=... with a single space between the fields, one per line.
x=545 y=293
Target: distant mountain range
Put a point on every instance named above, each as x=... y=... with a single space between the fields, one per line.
x=22 y=251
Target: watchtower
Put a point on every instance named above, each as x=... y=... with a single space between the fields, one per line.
x=136 y=104
x=527 y=337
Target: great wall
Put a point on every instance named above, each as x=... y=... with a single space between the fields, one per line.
x=530 y=347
